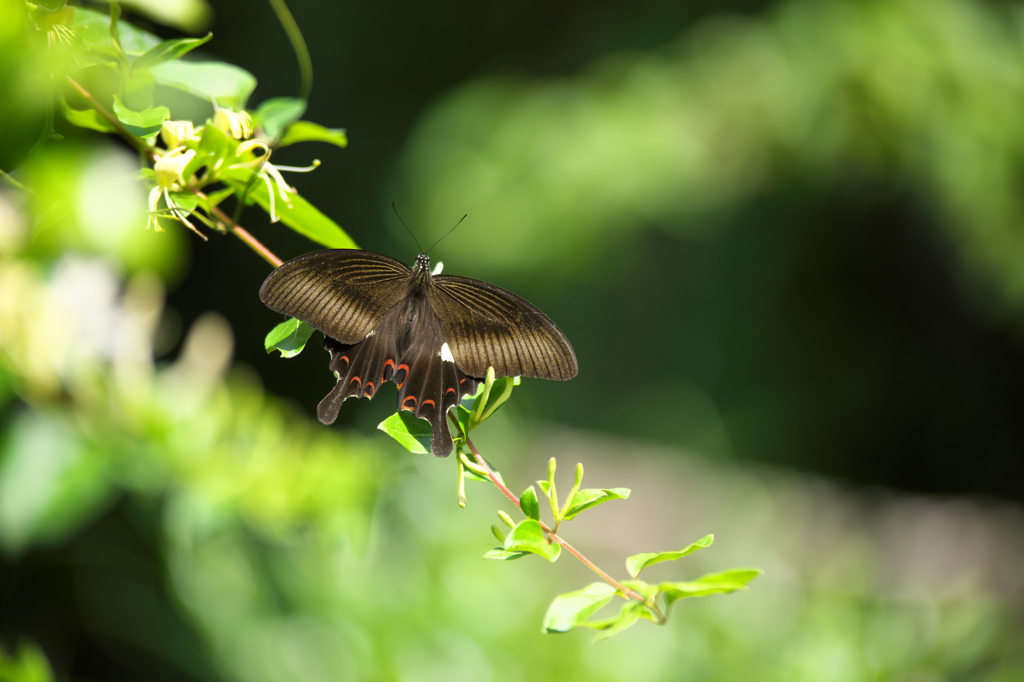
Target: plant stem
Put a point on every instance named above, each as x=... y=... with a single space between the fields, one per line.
x=236 y=229
x=291 y=28
x=628 y=593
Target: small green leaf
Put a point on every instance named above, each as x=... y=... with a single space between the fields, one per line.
x=186 y=201
x=591 y=497
x=168 y=50
x=289 y=337
x=496 y=532
x=627 y=618
x=306 y=131
x=572 y=609
x=277 y=113
x=115 y=15
x=528 y=503
x=143 y=124
x=29 y=665
x=301 y=216
x=227 y=84
x=639 y=562
x=503 y=554
x=86 y=118
x=713 y=583
x=528 y=536
x=411 y=433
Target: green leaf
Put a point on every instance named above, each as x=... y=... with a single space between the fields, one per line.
x=572 y=609
x=471 y=475
x=503 y=554
x=301 y=216
x=86 y=118
x=168 y=50
x=186 y=201
x=496 y=532
x=143 y=124
x=528 y=503
x=528 y=536
x=627 y=618
x=115 y=15
x=277 y=113
x=306 y=131
x=289 y=337
x=227 y=84
x=713 y=583
x=591 y=497
x=93 y=28
x=639 y=562
x=411 y=433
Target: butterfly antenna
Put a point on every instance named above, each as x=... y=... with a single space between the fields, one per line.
x=447 y=233
x=395 y=209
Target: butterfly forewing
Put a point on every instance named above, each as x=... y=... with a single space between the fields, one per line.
x=486 y=326
x=343 y=293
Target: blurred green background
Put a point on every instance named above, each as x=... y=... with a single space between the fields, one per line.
x=785 y=239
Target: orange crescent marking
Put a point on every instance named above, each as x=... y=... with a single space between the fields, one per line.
x=356 y=379
x=449 y=390
x=432 y=404
x=407 y=399
x=345 y=358
x=370 y=388
x=400 y=368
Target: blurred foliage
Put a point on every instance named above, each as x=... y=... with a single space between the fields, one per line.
x=167 y=519
x=911 y=92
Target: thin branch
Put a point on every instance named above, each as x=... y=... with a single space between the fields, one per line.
x=243 y=234
x=632 y=594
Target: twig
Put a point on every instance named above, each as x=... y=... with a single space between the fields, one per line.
x=632 y=594
x=243 y=234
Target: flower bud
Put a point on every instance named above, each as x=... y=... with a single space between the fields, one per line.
x=237 y=124
x=176 y=133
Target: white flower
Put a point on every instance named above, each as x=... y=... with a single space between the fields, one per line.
x=270 y=174
x=176 y=133
x=237 y=124
x=168 y=170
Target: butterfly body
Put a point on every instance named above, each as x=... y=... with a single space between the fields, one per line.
x=433 y=336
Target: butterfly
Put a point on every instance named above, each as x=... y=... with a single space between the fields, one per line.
x=433 y=335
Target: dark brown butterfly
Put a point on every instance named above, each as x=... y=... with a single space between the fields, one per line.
x=434 y=336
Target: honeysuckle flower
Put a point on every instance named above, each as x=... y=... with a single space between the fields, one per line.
x=176 y=133
x=168 y=170
x=237 y=124
x=269 y=173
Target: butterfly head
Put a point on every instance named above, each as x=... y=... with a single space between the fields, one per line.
x=422 y=263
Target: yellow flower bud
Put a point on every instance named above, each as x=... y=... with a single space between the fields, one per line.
x=237 y=124
x=176 y=133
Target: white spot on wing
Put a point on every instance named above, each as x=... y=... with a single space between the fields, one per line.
x=446 y=353
x=437 y=269
x=370 y=334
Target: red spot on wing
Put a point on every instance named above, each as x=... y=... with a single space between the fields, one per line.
x=432 y=404
x=356 y=379
x=407 y=399
x=461 y=381
x=345 y=358
x=449 y=390
x=369 y=388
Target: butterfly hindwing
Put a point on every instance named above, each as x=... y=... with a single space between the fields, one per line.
x=486 y=326
x=429 y=383
x=341 y=292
